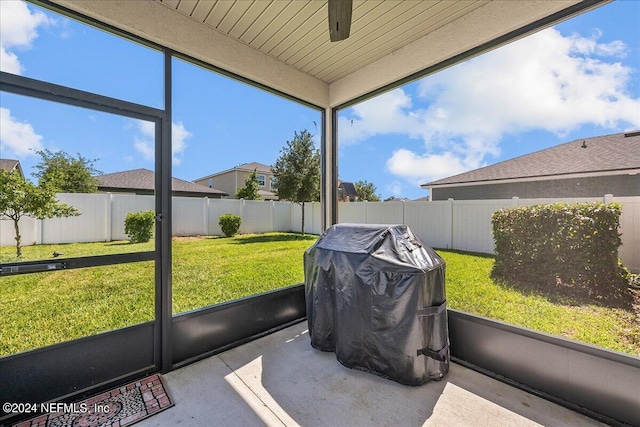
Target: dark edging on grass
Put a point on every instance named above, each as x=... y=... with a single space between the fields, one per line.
x=623 y=296
x=261 y=238
x=615 y=293
x=460 y=252
x=575 y=295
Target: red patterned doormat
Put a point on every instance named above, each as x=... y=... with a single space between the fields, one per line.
x=116 y=408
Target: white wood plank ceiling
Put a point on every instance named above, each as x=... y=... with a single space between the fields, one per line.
x=284 y=44
x=296 y=32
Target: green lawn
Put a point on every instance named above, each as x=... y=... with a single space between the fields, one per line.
x=470 y=289
x=45 y=308
x=213 y=270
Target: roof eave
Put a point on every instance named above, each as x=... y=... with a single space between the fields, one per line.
x=627 y=171
x=236 y=169
x=111 y=189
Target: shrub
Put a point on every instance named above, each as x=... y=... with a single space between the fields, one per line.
x=575 y=244
x=230 y=224
x=139 y=226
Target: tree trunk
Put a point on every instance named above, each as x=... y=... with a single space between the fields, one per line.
x=302 y=218
x=18 y=238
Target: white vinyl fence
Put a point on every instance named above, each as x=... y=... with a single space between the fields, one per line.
x=103 y=217
x=466 y=224
x=452 y=224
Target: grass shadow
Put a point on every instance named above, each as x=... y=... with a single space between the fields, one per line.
x=617 y=296
x=119 y=243
x=261 y=238
x=459 y=252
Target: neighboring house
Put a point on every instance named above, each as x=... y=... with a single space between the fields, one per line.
x=347 y=192
x=586 y=167
x=142 y=181
x=232 y=179
x=11 y=165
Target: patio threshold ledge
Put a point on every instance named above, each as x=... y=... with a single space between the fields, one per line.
x=280 y=380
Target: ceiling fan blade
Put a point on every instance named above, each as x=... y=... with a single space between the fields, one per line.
x=339 y=19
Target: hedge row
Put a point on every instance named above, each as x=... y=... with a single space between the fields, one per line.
x=570 y=243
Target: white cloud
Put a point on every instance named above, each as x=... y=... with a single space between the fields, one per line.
x=9 y=61
x=412 y=166
x=144 y=147
x=17 y=137
x=543 y=82
x=179 y=136
x=144 y=143
x=395 y=188
x=590 y=45
x=18 y=29
x=385 y=114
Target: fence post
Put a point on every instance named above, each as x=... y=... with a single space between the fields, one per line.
x=292 y=213
x=271 y=208
x=366 y=212
x=242 y=212
x=450 y=200
x=515 y=201
x=403 y=220
x=107 y=227
x=608 y=198
x=206 y=215
x=38 y=226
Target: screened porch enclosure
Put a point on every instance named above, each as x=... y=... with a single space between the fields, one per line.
x=283 y=48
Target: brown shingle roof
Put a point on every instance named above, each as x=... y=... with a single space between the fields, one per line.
x=246 y=167
x=606 y=153
x=259 y=167
x=10 y=165
x=143 y=180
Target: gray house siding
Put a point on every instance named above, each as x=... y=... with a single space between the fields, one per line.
x=618 y=185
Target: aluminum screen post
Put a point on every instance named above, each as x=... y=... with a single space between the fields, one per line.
x=329 y=170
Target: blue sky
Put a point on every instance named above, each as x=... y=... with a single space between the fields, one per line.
x=575 y=80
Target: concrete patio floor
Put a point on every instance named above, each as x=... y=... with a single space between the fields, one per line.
x=281 y=380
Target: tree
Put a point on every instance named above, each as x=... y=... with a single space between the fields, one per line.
x=297 y=171
x=19 y=197
x=250 y=189
x=366 y=191
x=65 y=173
